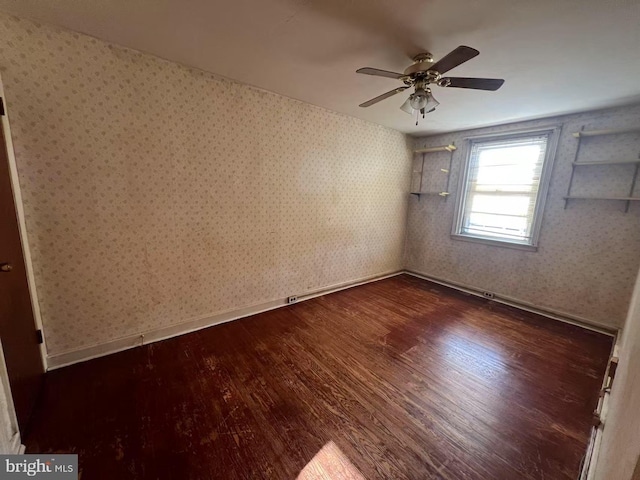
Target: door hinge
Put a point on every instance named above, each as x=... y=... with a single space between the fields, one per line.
x=1 y=106
x=39 y=336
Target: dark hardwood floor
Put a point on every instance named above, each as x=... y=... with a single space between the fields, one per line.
x=397 y=379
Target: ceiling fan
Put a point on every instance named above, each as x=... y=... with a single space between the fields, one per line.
x=423 y=72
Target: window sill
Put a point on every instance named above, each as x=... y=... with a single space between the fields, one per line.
x=495 y=243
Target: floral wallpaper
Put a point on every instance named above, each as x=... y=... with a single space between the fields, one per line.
x=588 y=253
x=155 y=194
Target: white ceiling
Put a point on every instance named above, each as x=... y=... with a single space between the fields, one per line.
x=557 y=56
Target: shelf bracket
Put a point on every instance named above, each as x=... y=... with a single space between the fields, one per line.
x=573 y=167
x=448 y=170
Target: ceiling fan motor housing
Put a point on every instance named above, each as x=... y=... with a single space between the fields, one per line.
x=421 y=63
x=419 y=72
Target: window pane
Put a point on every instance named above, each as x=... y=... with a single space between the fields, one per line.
x=502 y=188
x=498 y=225
x=507 y=205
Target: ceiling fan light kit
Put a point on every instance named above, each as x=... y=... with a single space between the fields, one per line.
x=423 y=72
x=420 y=102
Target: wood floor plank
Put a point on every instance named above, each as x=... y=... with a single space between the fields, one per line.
x=398 y=379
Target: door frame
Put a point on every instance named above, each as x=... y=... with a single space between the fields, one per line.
x=22 y=227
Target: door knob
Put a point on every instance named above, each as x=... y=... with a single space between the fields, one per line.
x=6 y=267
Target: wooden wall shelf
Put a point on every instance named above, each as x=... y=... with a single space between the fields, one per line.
x=597 y=133
x=442 y=194
x=586 y=197
x=441 y=148
x=605 y=162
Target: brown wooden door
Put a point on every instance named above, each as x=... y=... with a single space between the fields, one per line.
x=18 y=333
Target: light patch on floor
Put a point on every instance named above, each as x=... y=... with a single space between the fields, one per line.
x=330 y=464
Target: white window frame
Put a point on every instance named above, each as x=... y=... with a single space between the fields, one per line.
x=553 y=133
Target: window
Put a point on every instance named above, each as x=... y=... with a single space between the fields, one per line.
x=503 y=188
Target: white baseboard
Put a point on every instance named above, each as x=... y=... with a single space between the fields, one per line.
x=83 y=354
x=522 y=305
x=80 y=355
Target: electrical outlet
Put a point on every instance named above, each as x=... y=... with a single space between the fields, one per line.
x=488 y=294
x=292 y=299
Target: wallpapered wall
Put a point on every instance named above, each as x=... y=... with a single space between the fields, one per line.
x=155 y=194
x=588 y=254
